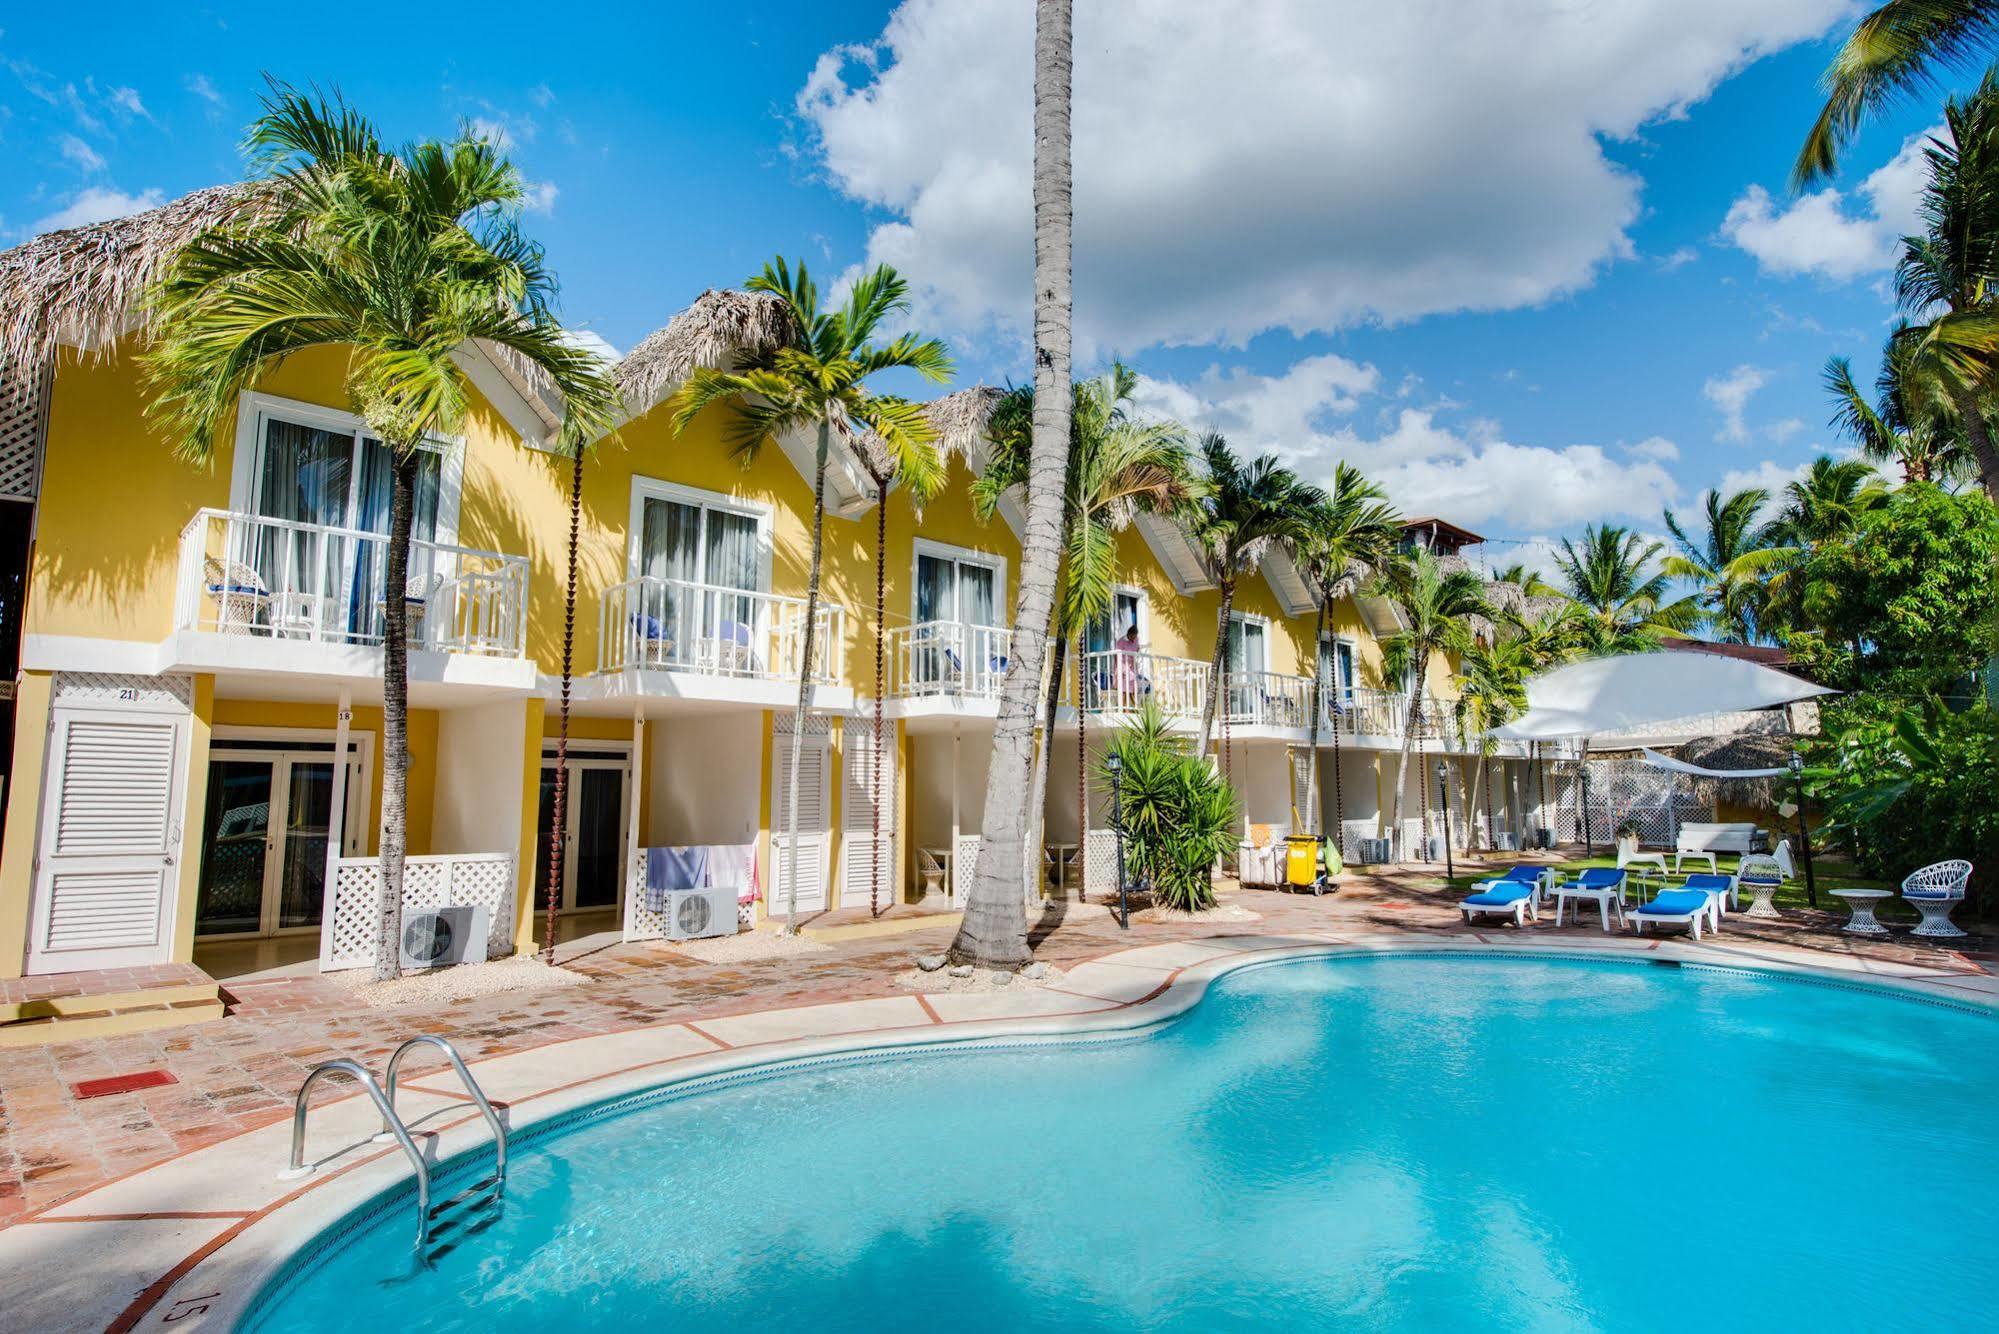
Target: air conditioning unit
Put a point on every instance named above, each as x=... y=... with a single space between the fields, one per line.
x=692 y=914
x=440 y=937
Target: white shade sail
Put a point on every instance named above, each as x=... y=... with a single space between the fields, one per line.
x=1658 y=761
x=1605 y=696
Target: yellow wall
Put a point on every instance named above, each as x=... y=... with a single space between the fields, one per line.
x=115 y=498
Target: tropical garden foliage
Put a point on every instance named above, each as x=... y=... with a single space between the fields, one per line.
x=1177 y=813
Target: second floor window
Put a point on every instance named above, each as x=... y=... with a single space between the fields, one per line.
x=700 y=544
x=1249 y=645
x=956 y=588
x=1116 y=629
x=1336 y=669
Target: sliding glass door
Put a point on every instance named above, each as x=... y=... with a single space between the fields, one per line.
x=319 y=475
x=705 y=613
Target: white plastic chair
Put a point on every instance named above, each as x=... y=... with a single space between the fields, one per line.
x=1935 y=891
x=1782 y=856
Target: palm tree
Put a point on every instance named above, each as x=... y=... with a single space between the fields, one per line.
x=1120 y=466
x=401 y=257
x=1527 y=579
x=1492 y=690
x=915 y=460
x=1619 y=592
x=1894 y=52
x=1435 y=603
x=1349 y=537
x=1945 y=277
x=994 y=928
x=1912 y=421
x=1824 y=506
x=1728 y=561
x=819 y=381
x=1248 y=509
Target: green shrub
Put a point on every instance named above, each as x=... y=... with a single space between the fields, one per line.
x=1179 y=815
x=1906 y=785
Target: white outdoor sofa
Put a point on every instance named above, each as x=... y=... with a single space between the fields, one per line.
x=1706 y=840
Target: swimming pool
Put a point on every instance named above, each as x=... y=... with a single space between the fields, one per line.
x=1383 y=1143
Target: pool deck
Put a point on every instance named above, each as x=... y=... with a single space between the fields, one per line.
x=168 y=1199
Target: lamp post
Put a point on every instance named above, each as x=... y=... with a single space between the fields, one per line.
x=1444 y=790
x=1804 y=838
x=1116 y=767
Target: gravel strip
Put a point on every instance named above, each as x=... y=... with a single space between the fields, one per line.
x=447 y=986
x=745 y=946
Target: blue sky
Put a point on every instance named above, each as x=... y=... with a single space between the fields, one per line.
x=1526 y=290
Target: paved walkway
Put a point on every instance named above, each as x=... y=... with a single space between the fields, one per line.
x=147 y=1169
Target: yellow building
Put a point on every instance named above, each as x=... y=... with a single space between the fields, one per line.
x=195 y=762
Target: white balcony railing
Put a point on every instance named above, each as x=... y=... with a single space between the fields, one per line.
x=1120 y=680
x=948 y=658
x=674 y=625
x=276 y=579
x=1268 y=699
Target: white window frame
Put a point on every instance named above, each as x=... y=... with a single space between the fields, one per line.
x=253 y=408
x=654 y=488
x=1248 y=618
x=1343 y=691
x=1140 y=596
x=964 y=556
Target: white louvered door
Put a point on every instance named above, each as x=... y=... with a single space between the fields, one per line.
x=857 y=865
x=814 y=819
x=107 y=869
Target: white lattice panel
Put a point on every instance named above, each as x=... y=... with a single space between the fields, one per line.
x=456 y=880
x=1100 y=862
x=24 y=422
x=964 y=867
x=117 y=690
x=1352 y=832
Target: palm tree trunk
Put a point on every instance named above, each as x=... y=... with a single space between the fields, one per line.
x=1082 y=775
x=1409 y=724
x=1314 y=819
x=805 y=675
x=558 y=823
x=1216 y=663
x=1978 y=438
x=1044 y=756
x=875 y=768
x=395 y=715
x=994 y=929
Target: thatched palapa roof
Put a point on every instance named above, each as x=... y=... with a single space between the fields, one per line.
x=1743 y=750
x=85 y=286
x=720 y=328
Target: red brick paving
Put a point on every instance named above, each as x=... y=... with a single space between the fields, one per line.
x=240 y=1072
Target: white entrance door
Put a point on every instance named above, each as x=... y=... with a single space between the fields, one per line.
x=858 y=868
x=593 y=848
x=814 y=818
x=107 y=869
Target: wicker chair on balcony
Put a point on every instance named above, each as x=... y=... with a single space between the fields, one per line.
x=241 y=597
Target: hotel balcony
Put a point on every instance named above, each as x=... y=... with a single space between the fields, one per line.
x=255 y=594
x=675 y=639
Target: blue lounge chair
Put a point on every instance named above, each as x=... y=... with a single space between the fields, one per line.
x=1517 y=894
x=1719 y=887
x=1507 y=898
x=1677 y=907
x=1603 y=884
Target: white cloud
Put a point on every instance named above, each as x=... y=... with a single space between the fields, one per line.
x=96 y=204
x=539 y=196
x=204 y=88
x=127 y=103
x=1821 y=234
x=542 y=95
x=1678 y=259
x=1654 y=447
x=1291 y=164
x=1473 y=475
x=79 y=154
x=492 y=130
x=1783 y=430
x=1730 y=394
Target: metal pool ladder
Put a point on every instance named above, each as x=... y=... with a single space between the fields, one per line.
x=480 y=1194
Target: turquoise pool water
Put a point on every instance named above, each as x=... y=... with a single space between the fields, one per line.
x=1406 y=1143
